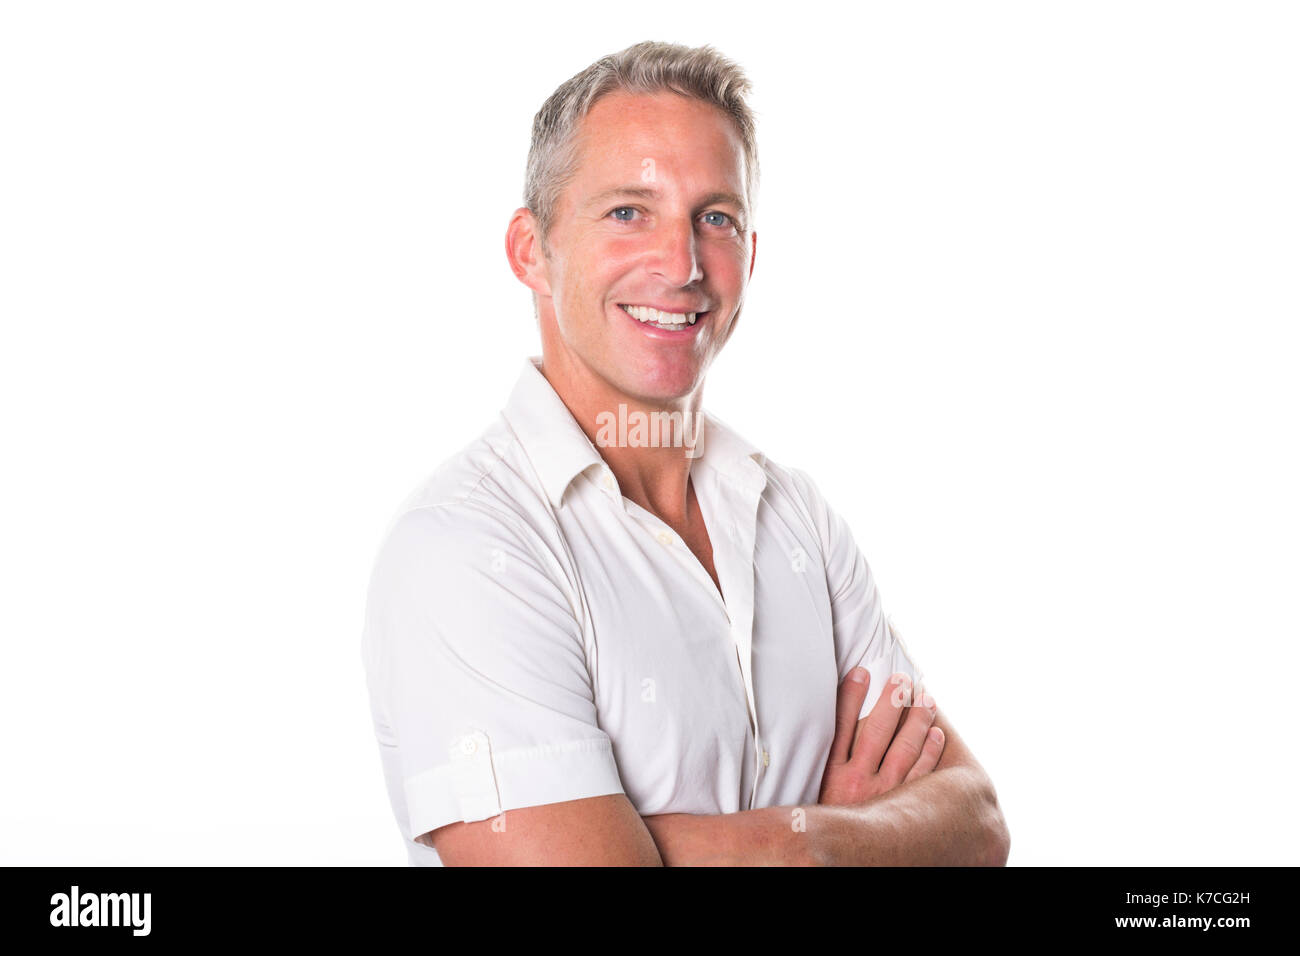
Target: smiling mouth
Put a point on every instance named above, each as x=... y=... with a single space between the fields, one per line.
x=667 y=321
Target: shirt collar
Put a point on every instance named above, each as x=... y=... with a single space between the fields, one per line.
x=728 y=453
x=560 y=450
x=550 y=435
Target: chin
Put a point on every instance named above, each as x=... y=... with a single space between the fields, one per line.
x=663 y=385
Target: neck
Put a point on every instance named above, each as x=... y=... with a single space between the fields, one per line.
x=649 y=445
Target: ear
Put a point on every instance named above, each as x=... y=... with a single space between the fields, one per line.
x=753 y=251
x=524 y=250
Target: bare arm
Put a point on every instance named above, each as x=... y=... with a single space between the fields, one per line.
x=948 y=817
x=595 y=831
x=932 y=818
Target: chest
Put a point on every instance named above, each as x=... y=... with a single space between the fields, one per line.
x=714 y=704
x=695 y=537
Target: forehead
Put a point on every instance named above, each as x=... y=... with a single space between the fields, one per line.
x=685 y=137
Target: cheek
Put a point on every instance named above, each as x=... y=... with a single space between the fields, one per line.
x=728 y=261
x=600 y=274
x=582 y=299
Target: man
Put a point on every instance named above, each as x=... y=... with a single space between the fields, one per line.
x=589 y=642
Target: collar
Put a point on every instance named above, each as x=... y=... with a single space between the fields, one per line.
x=560 y=450
x=730 y=455
x=550 y=435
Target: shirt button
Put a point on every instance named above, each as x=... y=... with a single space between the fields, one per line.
x=609 y=481
x=766 y=759
x=664 y=537
x=468 y=745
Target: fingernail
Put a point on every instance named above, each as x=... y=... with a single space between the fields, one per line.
x=858 y=675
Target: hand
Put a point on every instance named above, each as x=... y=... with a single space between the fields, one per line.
x=875 y=754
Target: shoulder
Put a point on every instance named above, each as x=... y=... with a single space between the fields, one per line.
x=482 y=506
x=486 y=490
x=793 y=492
x=491 y=473
x=793 y=483
x=465 y=568
x=796 y=490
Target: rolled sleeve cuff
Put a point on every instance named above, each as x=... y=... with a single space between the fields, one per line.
x=480 y=783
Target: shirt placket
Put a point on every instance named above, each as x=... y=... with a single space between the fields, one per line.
x=733 y=532
x=666 y=537
x=733 y=559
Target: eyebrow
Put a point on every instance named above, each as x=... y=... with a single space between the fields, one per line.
x=642 y=192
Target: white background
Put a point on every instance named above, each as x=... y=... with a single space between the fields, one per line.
x=1025 y=306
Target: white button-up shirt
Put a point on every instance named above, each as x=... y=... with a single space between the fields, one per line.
x=532 y=636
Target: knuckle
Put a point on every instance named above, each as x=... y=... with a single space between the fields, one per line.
x=907 y=750
x=851 y=779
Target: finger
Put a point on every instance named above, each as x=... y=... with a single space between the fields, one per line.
x=877 y=728
x=848 y=704
x=930 y=755
x=907 y=744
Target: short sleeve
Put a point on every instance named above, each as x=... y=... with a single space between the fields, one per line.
x=476 y=660
x=864 y=635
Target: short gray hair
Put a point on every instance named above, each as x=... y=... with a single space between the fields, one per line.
x=701 y=73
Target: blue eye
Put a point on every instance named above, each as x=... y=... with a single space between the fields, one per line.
x=721 y=215
x=627 y=209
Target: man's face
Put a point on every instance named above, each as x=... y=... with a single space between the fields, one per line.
x=656 y=216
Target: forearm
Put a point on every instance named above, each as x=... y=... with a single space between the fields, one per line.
x=946 y=818
x=765 y=837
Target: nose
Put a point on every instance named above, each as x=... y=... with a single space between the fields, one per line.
x=675 y=258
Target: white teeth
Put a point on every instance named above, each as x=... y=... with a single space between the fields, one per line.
x=643 y=313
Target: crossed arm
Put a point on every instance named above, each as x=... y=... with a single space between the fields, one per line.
x=894 y=794
x=948 y=817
